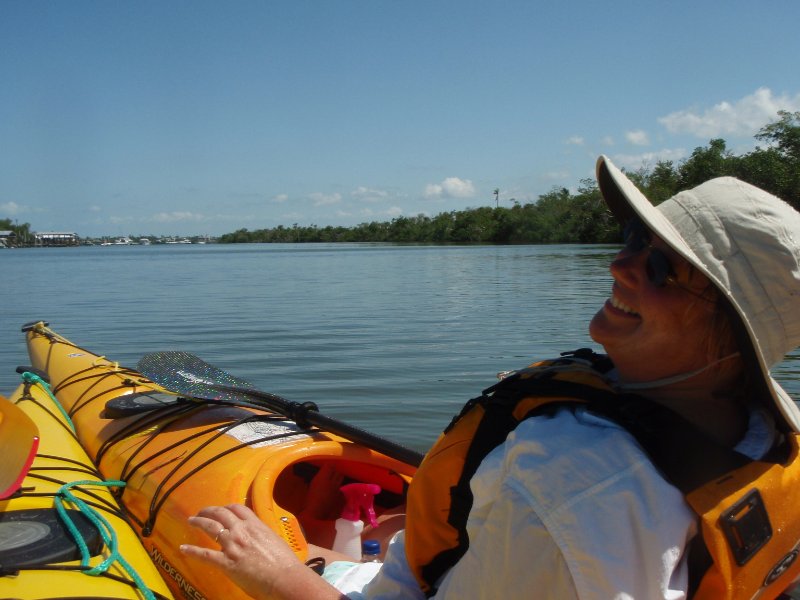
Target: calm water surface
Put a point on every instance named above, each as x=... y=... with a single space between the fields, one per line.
x=391 y=338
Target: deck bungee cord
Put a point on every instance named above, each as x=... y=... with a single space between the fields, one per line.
x=64 y=496
x=33 y=378
x=152 y=422
x=98 y=377
x=160 y=498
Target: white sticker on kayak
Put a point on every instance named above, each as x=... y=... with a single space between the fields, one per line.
x=269 y=433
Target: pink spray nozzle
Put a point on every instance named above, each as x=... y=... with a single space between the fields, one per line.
x=358 y=497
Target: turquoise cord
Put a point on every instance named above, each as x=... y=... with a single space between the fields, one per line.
x=29 y=377
x=107 y=532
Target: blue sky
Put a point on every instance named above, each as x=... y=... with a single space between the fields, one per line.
x=185 y=118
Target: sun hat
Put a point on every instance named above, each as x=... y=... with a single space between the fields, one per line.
x=747 y=242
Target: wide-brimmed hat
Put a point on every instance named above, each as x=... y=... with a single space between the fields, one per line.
x=747 y=242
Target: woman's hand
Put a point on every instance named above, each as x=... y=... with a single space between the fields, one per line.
x=255 y=557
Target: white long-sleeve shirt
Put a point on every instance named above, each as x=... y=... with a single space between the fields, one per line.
x=568 y=506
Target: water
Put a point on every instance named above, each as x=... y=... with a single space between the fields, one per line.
x=390 y=338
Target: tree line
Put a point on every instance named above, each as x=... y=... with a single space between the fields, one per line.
x=561 y=216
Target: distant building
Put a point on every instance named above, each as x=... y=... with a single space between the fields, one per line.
x=8 y=239
x=55 y=238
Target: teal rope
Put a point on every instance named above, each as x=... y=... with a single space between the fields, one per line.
x=107 y=532
x=29 y=377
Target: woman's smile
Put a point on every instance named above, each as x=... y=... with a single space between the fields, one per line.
x=620 y=305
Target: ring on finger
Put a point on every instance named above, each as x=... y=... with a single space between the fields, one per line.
x=219 y=534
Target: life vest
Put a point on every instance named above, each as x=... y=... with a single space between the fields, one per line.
x=749 y=511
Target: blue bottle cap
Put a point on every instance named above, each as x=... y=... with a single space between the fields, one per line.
x=371 y=547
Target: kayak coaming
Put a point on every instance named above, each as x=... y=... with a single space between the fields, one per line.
x=180 y=459
x=60 y=459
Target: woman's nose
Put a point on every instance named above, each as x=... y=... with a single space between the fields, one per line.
x=629 y=266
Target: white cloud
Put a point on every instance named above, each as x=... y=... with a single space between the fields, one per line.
x=575 y=140
x=452 y=187
x=637 y=137
x=95 y=208
x=391 y=212
x=743 y=117
x=176 y=217
x=10 y=208
x=321 y=199
x=433 y=190
x=554 y=175
x=635 y=161
x=607 y=141
x=280 y=198
x=369 y=194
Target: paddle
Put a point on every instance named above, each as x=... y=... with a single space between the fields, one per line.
x=188 y=375
x=19 y=437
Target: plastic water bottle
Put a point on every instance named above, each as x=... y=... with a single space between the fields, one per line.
x=370 y=551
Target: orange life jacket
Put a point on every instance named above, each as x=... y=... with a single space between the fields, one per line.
x=749 y=511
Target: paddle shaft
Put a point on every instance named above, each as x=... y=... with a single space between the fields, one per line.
x=307 y=414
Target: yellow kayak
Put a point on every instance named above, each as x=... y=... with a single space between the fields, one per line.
x=179 y=455
x=40 y=551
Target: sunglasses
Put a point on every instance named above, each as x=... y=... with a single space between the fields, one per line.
x=658 y=267
x=638 y=238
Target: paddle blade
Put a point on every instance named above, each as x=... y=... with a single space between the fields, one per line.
x=189 y=375
x=19 y=437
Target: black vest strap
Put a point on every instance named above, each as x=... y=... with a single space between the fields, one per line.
x=687 y=457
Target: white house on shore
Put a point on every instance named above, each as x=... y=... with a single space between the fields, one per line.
x=55 y=238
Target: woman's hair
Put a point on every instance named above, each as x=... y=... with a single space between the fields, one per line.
x=722 y=341
x=722 y=347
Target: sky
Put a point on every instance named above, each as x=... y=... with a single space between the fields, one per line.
x=201 y=118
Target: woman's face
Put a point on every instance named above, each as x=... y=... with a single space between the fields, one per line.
x=650 y=331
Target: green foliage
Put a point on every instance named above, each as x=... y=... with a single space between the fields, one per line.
x=777 y=167
x=561 y=216
x=704 y=164
x=784 y=134
x=22 y=233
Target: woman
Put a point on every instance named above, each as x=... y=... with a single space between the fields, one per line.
x=569 y=505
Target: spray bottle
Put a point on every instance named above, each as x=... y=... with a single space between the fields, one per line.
x=358 y=497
